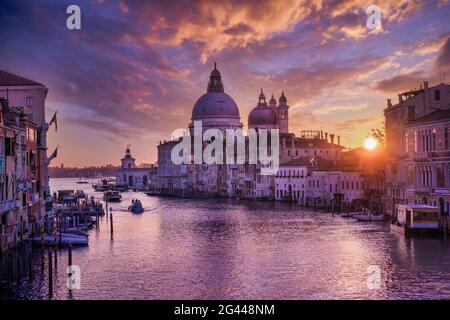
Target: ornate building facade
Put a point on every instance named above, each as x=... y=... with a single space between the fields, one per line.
x=130 y=176
x=417 y=156
x=23 y=159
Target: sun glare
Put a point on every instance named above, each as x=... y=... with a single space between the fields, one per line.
x=370 y=143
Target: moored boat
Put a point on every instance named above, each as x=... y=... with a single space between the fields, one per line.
x=65 y=240
x=112 y=196
x=79 y=194
x=368 y=217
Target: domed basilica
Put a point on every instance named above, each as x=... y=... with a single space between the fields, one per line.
x=216 y=109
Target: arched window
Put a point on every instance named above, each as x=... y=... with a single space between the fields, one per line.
x=437 y=95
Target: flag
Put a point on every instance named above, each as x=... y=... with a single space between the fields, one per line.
x=53 y=155
x=55 y=121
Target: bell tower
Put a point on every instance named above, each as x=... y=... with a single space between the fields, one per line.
x=283 y=114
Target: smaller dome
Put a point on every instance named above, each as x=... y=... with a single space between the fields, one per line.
x=272 y=101
x=282 y=99
x=262 y=116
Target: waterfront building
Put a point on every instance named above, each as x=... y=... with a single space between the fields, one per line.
x=372 y=166
x=427 y=161
x=132 y=176
x=23 y=158
x=403 y=149
x=317 y=182
x=290 y=181
x=20 y=205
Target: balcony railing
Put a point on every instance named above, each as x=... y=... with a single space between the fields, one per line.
x=420 y=156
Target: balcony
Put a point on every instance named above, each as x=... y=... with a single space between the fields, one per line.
x=442 y=191
x=419 y=190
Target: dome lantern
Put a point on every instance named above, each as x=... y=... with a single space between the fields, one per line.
x=282 y=100
x=215 y=83
x=262 y=99
x=273 y=102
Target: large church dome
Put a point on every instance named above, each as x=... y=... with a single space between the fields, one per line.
x=215 y=103
x=262 y=116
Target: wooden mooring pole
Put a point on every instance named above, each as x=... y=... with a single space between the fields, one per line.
x=111 y=223
x=50 y=274
x=30 y=265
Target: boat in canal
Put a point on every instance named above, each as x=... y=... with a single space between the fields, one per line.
x=120 y=187
x=66 y=196
x=368 y=217
x=364 y=214
x=414 y=219
x=136 y=207
x=79 y=194
x=112 y=196
x=104 y=185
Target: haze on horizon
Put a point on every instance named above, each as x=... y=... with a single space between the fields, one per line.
x=134 y=71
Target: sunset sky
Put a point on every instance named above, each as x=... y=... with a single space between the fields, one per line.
x=132 y=74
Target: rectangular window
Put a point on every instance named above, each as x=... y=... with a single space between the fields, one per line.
x=446 y=138
x=411 y=113
x=440 y=176
x=8 y=146
x=410 y=175
x=29 y=101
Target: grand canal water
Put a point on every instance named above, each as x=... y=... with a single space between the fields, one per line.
x=220 y=249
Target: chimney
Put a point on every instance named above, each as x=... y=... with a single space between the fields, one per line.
x=326 y=136
x=339 y=140
x=321 y=134
x=332 y=137
x=425 y=85
x=389 y=103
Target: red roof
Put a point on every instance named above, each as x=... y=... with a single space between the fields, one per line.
x=9 y=79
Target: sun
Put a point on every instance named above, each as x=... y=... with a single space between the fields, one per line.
x=370 y=143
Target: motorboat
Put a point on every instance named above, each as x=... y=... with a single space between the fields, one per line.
x=136 y=207
x=103 y=185
x=112 y=196
x=80 y=181
x=368 y=217
x=66 y=196
x=120 y=187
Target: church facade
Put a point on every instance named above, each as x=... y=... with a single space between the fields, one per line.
x=130 y=176
x=216 y=109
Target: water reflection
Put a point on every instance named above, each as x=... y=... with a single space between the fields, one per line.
x=221 y=249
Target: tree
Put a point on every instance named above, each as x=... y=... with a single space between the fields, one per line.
x=379 y=134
